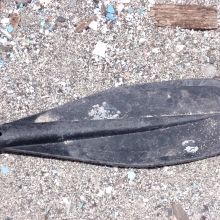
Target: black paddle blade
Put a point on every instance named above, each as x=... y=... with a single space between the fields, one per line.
x=148 y=125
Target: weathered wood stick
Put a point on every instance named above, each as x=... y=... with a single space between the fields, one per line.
x=185 y=16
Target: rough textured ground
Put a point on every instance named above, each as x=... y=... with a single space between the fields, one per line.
x=48 y=68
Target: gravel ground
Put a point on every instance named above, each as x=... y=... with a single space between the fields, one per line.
x=45 y=69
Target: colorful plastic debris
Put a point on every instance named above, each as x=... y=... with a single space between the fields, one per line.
x=42 y=23
x=130 y=10
x=69 y=207
x=5 y=170
x=109 y=15
x=10 y=28
x=51 y=27
x=14 y=21
x=2 y=63
x=80 y=205
x=54 y=171
x=110 y=9
x=131 y=175
x=12 y=55
x=6 y=33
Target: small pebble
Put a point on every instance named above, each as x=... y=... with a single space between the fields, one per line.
x=120 y=7
x=155 y=50
x=100 y=49
x=60 y=19
x=50 y=19
x=179 y=48
x=169 y=212
x=65 y=200
x=94 y=25
x=109 y=189
x=72 y=3
x=211 y=60
x=5 y=21
x=209 y=71
x=142 y=40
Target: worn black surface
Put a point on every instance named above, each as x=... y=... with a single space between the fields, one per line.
x=144 y=125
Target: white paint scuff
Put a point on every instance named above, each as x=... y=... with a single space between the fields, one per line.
x=105 y=111
x=190 y=146
x=191 y=149
x=46 y=117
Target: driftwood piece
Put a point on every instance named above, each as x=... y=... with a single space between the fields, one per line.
x=14 y=21
x=185 y=16
x=85 y=24
x=179 y=212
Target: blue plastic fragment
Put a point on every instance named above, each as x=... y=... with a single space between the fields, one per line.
x=21 y=5
x=3 y=63
x=51 y=27
x=131 y=175
x=80 y=205
x=180 y=67
x=130 y=10
x=69 y=207
x=141 y=11
x=5 y=170
x=12 y=55
x=54 y=171
x=195 y=186
x=42 y=23
x=110 y=9
x=109 y=15
x=10 y=28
